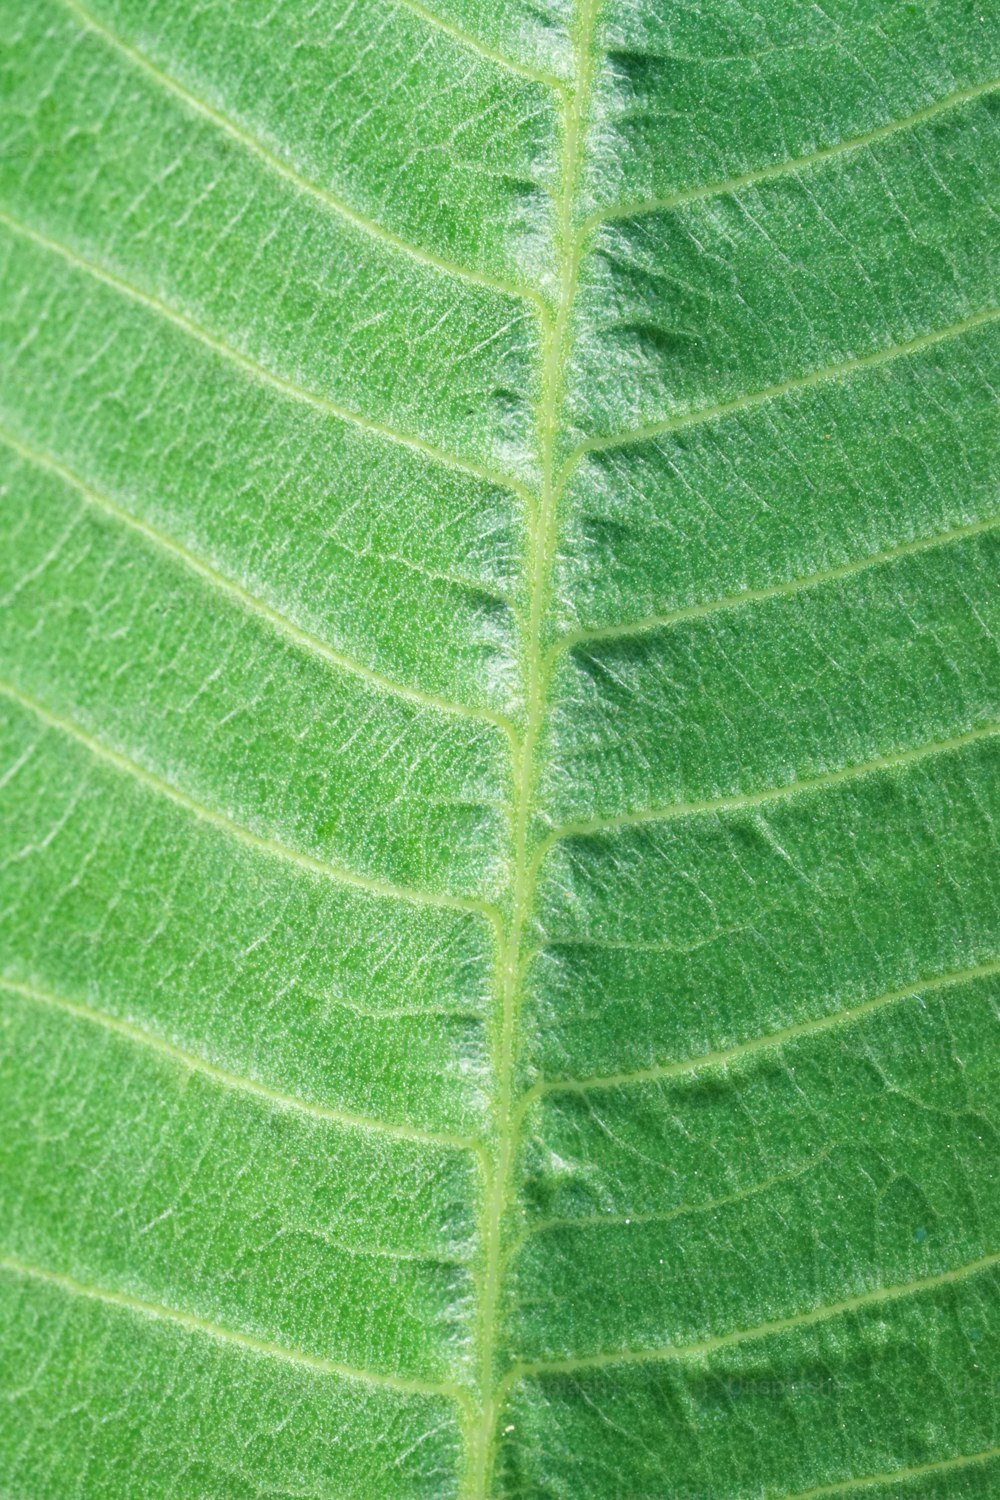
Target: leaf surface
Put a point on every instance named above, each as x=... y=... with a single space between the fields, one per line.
x=499 y=746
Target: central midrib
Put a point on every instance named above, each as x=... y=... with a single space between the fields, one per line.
x=574 y=101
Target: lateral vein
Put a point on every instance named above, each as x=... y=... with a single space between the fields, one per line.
x=236 y=1082
x=473 y=44
x=284 y=168
x=258 y=371
x=251 y=602
x=897 y=1476
x=792 y=165
x=788 y=586
x=724 y=1057
x=316 y=866
x=702 y=1348
x=840 y=370
x=737 y=802
x=669 y=1215
x=16 y=1266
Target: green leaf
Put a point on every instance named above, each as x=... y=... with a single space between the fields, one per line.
x=500 y=743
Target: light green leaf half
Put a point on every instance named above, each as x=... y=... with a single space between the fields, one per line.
x=500 y=750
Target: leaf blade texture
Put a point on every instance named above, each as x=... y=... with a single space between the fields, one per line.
x=499 y=718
